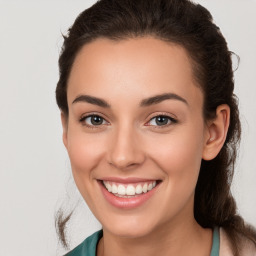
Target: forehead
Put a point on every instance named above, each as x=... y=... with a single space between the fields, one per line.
x=139 y=67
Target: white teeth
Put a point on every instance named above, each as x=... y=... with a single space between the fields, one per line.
x=138 y=189
x=145 y=188
x=121 y=190
x=114 y=189
x=108 y=186
x=129 y=190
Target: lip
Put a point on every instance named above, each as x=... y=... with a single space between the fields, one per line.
x=126 y=203
x=126 y=180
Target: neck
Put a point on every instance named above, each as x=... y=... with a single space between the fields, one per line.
x=187 y=238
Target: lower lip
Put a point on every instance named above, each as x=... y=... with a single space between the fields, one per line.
x=127 y=203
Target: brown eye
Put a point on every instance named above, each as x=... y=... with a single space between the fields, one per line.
x=93 y=120
x=96 y=120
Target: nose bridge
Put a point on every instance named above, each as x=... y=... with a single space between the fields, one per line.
x=125 y=150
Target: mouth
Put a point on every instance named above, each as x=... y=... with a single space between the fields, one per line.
x=129 y=190
x=127 y=194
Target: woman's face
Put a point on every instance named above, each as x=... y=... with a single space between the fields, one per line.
x=135 y=119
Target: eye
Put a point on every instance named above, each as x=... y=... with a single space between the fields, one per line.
x=162 y=120
x=93 y=120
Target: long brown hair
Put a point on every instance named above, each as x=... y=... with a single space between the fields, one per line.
x=191 y=26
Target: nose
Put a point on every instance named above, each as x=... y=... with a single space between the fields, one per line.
x=126 y=149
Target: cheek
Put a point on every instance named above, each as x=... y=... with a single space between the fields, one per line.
x=179 y=155
x=84 y=151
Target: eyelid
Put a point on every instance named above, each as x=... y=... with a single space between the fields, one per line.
x=163 y=114
x=171 y=118
x=84 y=116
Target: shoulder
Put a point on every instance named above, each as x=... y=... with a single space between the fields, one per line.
x=88 y=246
x=247 y=247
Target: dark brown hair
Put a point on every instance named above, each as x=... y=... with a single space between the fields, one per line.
x=191 y=26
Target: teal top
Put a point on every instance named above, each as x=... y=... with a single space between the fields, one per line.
x=89 y=246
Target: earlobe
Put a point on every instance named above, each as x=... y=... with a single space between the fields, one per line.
x=64 y=122
x=217 y=130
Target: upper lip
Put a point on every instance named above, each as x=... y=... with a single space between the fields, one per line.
x=127 y=180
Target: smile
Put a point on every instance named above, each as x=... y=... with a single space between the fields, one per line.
x=128 y=190
x=128 y=194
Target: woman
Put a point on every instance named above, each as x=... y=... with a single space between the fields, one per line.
x=151 y=126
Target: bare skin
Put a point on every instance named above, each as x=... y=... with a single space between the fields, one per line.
x=130 y=143
x=177 y=242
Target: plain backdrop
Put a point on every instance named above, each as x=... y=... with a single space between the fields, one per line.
x=34 y=167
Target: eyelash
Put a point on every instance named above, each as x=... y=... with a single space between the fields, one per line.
x=171 y=119
x=82 y=119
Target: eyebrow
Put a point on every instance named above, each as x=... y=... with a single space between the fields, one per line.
x=91 y=100
x=161 y=97
x=144 y=103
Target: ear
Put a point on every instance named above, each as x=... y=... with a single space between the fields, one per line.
x=216 y=132
x=64 y=121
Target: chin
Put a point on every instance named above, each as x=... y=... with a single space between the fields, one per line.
x=128 y=229
x=130 y=233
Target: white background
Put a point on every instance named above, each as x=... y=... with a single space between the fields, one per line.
x=34 y=167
